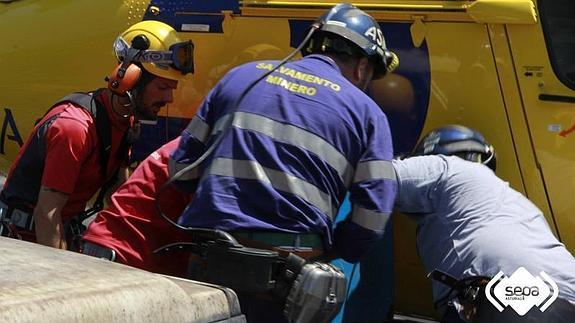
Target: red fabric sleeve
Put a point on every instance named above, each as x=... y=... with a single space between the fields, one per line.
x=68 y=143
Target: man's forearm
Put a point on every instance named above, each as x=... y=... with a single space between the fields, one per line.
x=49 y=228
x=48 y=220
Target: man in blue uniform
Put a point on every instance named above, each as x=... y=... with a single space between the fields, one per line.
x=472 y=224
x=297 y=142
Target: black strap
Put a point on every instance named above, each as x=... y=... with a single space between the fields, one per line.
x=103 y=128
x=460 y=288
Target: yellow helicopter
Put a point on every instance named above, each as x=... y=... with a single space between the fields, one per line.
x=503 y=67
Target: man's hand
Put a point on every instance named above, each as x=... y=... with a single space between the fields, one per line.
x=47 y=218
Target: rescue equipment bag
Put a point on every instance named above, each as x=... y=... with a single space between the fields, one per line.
x=311 y=292
x=242 y=269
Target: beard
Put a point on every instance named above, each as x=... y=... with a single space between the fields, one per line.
x=148 y=111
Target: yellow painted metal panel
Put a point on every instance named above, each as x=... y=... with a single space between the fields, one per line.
x=465 y=89
x=531 y=174
x=240 y=42
x=481 y=11
x=503 y=11
x=44 y=35
x=554 y=152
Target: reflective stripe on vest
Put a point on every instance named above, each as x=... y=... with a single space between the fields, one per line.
x=368 y=219
x=248 y=169
x=174 y=167
x=280 y=132
x=375 y=169
x=198 y=129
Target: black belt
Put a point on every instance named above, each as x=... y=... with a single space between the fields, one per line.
x=282 y=239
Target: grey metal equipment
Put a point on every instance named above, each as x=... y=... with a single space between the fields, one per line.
x=316 y=295
x=95 y=250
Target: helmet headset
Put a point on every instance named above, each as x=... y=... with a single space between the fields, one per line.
x=459 y=141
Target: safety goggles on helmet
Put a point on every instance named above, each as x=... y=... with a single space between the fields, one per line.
x=180 y=56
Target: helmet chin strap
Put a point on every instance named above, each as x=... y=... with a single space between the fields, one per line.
x=131 y=94
x=131 y=103
x=115 y=99
x=491 y=155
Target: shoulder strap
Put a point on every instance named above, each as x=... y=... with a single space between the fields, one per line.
x=100 y=115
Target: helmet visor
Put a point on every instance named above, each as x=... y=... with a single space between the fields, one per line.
x=180 y=56
x=121 y=49
x=183 y=56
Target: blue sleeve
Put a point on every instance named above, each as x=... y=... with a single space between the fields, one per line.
x=372 y=193
x=370 y=282
x=192 y=145
x=200 y=132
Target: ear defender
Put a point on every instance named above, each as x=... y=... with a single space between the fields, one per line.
x=127 y=74
x=122 y=79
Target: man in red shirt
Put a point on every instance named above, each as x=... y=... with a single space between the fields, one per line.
x=130 y=228
x=84 y=140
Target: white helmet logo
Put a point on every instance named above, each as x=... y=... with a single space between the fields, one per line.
x=376 y=35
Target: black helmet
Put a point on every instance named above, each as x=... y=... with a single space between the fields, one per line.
x=359 y=28
x=460 y=141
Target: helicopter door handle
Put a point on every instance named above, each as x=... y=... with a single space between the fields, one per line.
x=557 y=98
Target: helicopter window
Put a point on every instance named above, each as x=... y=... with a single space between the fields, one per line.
x=558 y=21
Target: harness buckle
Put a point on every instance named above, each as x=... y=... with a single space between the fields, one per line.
x=465 y=292
x=12 y=219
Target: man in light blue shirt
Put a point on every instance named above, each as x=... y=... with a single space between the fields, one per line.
x=471 y=223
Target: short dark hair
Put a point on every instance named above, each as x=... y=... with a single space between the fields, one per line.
x=329 y=43
x=145 y=78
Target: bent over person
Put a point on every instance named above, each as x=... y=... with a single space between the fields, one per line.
x=472 y=225
x=130 y=228
x=296 y=143
x=84 y=139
